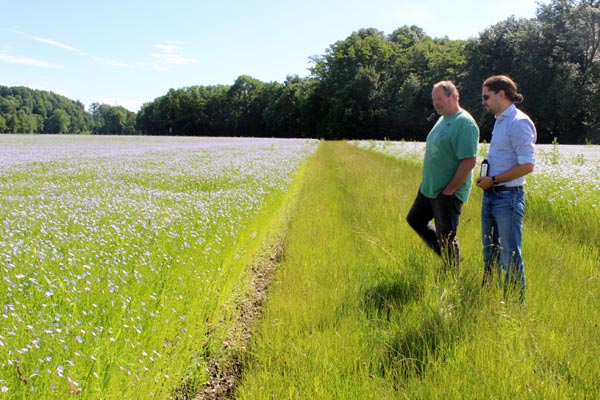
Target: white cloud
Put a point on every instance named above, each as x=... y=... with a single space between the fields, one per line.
x=64 y=46
x=169 y=56
x=21 y=60
x=51 y=42
x=58 y=44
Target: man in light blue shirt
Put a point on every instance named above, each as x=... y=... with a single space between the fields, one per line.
x=510 y=158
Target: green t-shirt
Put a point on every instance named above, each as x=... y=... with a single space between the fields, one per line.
x=451 y=140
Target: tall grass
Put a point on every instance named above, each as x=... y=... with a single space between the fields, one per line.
x=360 y=308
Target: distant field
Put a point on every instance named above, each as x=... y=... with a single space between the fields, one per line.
x=563 y=190
x=115 y=252
x=570 y=172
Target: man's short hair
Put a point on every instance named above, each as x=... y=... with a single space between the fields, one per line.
x=449 y=88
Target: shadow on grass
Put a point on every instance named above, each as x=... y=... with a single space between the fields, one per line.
x=426 y=315
x=385 y=298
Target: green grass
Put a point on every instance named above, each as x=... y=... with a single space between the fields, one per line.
x=360 y=309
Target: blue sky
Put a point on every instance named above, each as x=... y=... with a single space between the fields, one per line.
x=129 y=52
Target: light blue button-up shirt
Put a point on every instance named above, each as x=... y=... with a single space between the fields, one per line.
x=513 y=140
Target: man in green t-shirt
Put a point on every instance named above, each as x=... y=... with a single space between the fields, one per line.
x=450 y=155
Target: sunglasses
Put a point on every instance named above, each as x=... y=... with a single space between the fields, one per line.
x=485 y=97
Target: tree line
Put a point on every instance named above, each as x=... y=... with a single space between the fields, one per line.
x=369 y=85
x=24 y=110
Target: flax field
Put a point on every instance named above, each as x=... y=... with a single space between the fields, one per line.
x=115 y=253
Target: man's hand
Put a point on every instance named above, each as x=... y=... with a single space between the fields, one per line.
x=485 y=182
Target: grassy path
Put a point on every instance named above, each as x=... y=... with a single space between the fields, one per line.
x=358 y=308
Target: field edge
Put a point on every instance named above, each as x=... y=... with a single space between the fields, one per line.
x=232 y=329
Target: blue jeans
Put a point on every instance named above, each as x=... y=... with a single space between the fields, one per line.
x=445 y=211
x=501 y=234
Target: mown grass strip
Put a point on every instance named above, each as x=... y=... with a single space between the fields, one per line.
x=359 y=308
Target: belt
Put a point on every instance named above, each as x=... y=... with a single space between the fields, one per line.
x=506 y=188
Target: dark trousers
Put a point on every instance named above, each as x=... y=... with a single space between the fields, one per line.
x=440 y=235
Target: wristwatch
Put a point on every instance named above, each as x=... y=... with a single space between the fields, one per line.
x=494 y=179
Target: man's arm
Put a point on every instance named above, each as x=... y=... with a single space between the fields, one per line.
x=485 y=182
x=461 y=175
